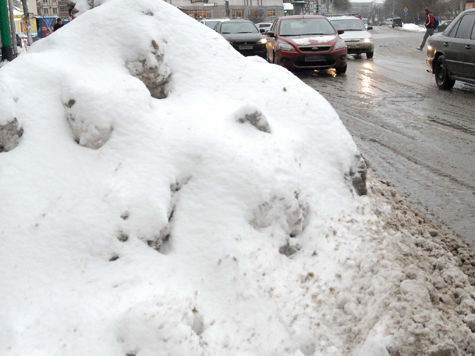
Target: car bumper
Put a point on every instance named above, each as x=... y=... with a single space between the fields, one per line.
x=306 y=60
x=250 y=50
x=359 y=47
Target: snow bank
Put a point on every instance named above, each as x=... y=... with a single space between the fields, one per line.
x=412 y=27
x=169 y=196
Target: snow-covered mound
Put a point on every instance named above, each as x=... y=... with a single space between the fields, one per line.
x=411 y=27
x=163 y=195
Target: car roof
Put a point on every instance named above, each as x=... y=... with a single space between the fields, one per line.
x=240 y=20
x=302 y=17
x=343 y=18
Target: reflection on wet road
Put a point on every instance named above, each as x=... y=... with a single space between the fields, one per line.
x=419 y=137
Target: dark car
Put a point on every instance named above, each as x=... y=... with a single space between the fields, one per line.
x=397 y=22
x=443 y=26
x=244 y=36
x=451 y=54
x=306 y=42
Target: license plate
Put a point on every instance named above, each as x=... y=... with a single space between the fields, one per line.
x=246 y=47
x=314 y=58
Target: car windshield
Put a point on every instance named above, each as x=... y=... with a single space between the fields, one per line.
x=349 y=25
x=238 y=27
x=300 y=27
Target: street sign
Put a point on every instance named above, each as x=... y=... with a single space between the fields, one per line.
x=405 y=13
x=406 y=9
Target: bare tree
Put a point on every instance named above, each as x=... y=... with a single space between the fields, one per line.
x=341 y=5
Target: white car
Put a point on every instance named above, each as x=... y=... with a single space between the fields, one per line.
x=211 y=23
x=263 y=26
x=356 y=35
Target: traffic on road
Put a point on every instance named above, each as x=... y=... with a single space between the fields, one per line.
x=419 y=137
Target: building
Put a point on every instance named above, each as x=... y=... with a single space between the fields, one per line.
x=48 y=7
x=255 y=10
x=470 y=5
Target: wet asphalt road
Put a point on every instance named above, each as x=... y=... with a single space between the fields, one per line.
x=419 y=137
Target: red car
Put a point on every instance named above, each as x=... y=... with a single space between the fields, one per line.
x=306 y=42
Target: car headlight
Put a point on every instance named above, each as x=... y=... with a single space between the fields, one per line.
x=286 y=47
x=262 y=41
x=340 y=45
x=367 y=40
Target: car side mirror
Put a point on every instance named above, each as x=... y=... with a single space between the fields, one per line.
x=263 y=30
x=369 y=28
x=270 y=34
x=340 y=32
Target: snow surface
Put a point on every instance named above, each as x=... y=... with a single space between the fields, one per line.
x=315 y=39
x=412 y=27
x=168 y=196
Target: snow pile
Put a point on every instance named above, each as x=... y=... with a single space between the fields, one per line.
x=411 y=27
x=162 y=194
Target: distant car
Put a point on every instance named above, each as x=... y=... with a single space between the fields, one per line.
x=365 y=22
x=451 y=54
x=306 y=42
x=443 y=26
x=244 y=36
x=211 y=23
x=397 y=22
x=264 y=26
x=356 y=36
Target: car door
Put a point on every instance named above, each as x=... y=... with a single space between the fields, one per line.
x=469 y=58
x=458 y=46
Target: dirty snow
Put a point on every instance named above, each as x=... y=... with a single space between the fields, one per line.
x=169 y=196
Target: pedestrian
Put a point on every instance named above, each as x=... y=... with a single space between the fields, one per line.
x=58 y=25
x=430 y=25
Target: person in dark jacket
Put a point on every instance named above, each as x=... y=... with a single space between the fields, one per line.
x=58 y=25
x=429 y=24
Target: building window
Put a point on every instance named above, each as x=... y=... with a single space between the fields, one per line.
x=198 y=14
x=46 y=12
x=270 y=13
x=237 y=13
x=55 y=11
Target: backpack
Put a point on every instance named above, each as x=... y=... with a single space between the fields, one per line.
x=436 y=22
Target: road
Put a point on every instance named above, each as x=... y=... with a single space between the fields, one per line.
x=419 y=137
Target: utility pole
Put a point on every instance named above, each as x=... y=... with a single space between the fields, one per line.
x=7 y=52
x=26 y=14
x=393 y=8
x=12 y=29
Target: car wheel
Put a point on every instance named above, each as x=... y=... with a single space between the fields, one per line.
x=442 y=77
x=369 y=55
x=341 y=70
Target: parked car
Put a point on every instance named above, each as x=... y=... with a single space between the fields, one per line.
x=356 y=36
x=397 y=22
x=211 y=23
x=443 y=26
x=244 y=36
x=264 y=26
x=306 y=42
x=451 y=54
